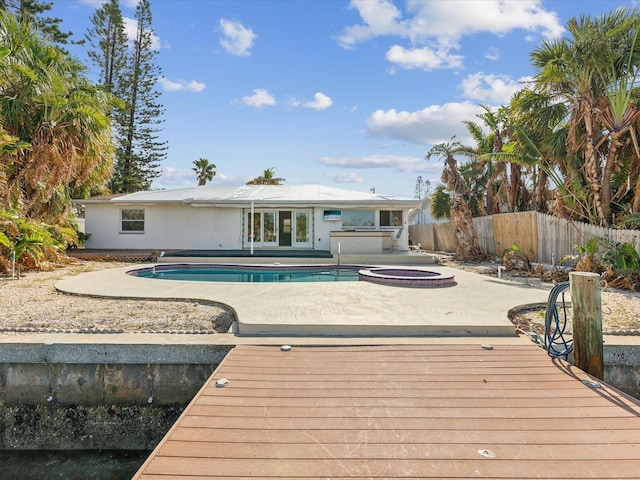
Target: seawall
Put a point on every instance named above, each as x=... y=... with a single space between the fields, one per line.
x=64 y=396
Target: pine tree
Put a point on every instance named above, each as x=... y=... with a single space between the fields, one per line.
x=109 y=42
x=131 y=75
x=139 y=152
x=30 y=12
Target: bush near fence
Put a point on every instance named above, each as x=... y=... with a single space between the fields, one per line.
x=543 y=237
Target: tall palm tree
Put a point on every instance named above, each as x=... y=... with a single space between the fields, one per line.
x=48 y=103
x=589 y=72
x=468 y=247
x=204 y=170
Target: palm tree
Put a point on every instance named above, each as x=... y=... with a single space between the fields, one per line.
x=467 y=239
x=440 y=203
x=266 y=178
x=592 y=73
x=59 y=121
x=204 y=170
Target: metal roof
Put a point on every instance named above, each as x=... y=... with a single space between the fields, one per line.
x=272 y=195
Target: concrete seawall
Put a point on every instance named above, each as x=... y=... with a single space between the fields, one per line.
x=97 y=396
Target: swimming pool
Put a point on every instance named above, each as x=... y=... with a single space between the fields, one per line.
x=208 y=272
x=250 y=273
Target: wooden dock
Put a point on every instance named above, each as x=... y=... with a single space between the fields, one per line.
x=432 y=411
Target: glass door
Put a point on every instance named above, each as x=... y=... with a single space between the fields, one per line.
x=254 y=228
x=269 y=234
x=263 y=230
x=284 y=228
x=302 y=233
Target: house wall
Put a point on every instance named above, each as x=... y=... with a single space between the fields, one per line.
x=166 y=227
x=323 y=228
x=176 y=226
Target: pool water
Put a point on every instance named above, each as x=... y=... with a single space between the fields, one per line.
x=248 y=274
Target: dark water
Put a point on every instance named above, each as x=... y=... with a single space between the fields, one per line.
x=70 y=465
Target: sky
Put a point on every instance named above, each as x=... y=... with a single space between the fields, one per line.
x=348 y=94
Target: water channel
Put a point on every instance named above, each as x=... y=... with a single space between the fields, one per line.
x=71 y=465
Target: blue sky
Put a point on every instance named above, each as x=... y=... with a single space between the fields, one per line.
x=349 y=94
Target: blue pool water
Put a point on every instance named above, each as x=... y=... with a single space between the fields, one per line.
x=249 y=274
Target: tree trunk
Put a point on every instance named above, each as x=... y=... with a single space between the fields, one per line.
x=591 y=166
x=468 y=246
x=607 y=172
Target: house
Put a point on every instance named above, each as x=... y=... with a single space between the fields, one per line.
x=250 y=216
x=423 y=215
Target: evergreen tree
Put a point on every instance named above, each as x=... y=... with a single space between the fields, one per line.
x=139 y=152
x=109 y=42
x=131 y=75
x=31 y=12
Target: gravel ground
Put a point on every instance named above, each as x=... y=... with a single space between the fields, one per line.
x=620 y=308
x=32 y=304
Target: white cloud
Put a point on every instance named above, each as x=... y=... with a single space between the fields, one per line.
x=238 y=39
x=181 y=85
x=429 y=126
x=424 y=58
x=492 y=54
x=93 y=3
x=175 y=177
x=345 y=177
x=320 y=102
x=491 y=87
x=172 y=177
x=450 y=21
x=131 y=30
x=434 y=29
x=260 y=98
x=397 y=162
x=380 y=17
x=98 y=3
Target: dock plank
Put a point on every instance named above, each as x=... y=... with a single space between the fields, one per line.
x=432 y=411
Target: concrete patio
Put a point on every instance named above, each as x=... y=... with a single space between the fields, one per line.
x=477 y=305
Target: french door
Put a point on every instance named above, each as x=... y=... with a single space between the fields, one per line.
x=262 y=230
x=279 y=228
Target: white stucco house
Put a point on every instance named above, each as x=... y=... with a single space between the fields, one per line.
x=226 y=217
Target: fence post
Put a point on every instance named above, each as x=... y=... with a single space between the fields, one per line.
x=587 y=323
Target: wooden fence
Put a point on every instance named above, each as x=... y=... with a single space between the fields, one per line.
x=543 y=237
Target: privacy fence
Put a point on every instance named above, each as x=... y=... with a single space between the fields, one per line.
x=543 y=237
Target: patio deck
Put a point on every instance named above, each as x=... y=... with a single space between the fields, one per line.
x=421 y=411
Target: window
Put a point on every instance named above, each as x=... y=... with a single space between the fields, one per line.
x=358 y=218
x=132 y=221
x=390 y=218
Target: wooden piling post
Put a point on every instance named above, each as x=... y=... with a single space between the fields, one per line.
x=587 y=322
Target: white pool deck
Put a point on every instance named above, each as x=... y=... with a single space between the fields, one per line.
x=477 y=305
